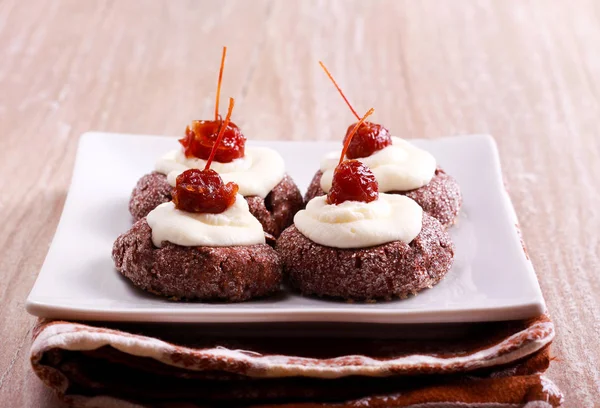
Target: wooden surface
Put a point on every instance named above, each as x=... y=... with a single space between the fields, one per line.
x=526 y=72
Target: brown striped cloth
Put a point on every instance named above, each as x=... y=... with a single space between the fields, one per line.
x=188 y=366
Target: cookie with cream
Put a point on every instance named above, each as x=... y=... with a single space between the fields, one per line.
x=205 y=244
x=270 y=192
x=399 y=166
x=356 y=243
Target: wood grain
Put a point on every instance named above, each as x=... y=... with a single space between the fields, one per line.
x=525 y=71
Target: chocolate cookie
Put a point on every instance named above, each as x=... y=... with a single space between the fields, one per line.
x=384 y=271
x=150 y=191
x=231 y=274
x=275 y=213
x=440 y=198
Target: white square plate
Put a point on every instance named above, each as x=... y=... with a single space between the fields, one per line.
x=492 y=279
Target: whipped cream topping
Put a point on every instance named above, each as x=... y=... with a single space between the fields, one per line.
x=257 y=173
x=234 y=226
x=400 y=166
x=355 y=224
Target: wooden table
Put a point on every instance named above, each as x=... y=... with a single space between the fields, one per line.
x=526 y=72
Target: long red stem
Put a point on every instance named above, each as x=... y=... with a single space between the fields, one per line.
x=351 y=135
x=219 y=83
x=220 y=135
x=338 y=88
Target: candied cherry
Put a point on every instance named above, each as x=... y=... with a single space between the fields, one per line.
x=352 y=180
x=369 y=138
x=201 y=136
x=203 y=191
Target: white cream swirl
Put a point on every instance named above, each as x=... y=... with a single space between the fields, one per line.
x=234 y=226
x=256 y=173
x=400 y=166
x=354 y=224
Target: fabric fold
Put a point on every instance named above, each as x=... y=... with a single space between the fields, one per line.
x=185 y=366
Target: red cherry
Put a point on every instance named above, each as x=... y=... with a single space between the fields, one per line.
x=369 y=138
x=353 y=181
x=203 y=191
x=201 y=136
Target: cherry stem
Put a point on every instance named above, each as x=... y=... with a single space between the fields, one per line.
x=219 y=83
x=338 y=88
x=220 y=134
x=351 y=135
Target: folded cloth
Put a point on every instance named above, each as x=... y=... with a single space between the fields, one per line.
x=486 y=365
